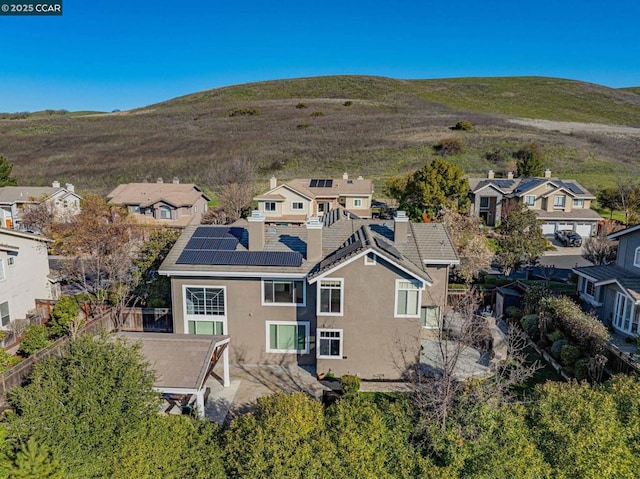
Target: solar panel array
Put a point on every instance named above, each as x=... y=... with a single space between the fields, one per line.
x=341 y=253
x=384 y=246
x=321 y=183
x=215 y=245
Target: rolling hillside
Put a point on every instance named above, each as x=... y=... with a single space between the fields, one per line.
x=326 y=125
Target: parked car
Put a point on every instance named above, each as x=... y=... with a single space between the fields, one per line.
x=568 y=237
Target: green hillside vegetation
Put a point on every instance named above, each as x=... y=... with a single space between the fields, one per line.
x=371 y=126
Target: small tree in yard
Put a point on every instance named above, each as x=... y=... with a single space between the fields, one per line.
x=530 y=159
x=599 y=249
x=65 y=317
x=521 y=241
x=36 y=337
x=5 y=173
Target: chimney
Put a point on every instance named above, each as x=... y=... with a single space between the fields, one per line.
x=176 y=180
x=491 y=175
x=273 y=182
x=345 y=176
x=314 y=239
x=56 y=184
x=256 y=231
x=510 y=175
x=400 y=227
x=70 y=187
x=159 y=180
x=547 y=173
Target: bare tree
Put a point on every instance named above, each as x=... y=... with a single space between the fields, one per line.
x=215 y=216
x=231 y=182
x=599 y=249
x=38 y=216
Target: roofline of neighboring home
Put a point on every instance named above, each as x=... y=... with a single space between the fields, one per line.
x=22 y=234
x=360 y=255
x=233 y=274
x=584 y=275
x=617 y=234
x=289 y=187
x=450 y=262
x=487 y=186
x=558 y=188
x=624 y=289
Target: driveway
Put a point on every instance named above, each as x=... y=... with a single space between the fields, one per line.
x=563 y=256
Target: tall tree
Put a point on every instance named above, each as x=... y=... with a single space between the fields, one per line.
x=438 y=184
x=231 y=182
x=5 y=173
x=521 y=241
x=529 y=160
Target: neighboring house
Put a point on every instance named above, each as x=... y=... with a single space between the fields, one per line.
x=298 y=200
x=24 y=274
x=350 y=296
x=63 y=200
x=559 y=204
x=173 y=204
x=613 y=290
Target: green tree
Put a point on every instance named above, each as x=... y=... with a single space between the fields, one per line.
x=36 y=337
x=34 y=461
x=82 y=403
x=437 y=185
x=5 y=173
x=64 y=316
x=530 y=160
x=521 y=241
x=609 y=198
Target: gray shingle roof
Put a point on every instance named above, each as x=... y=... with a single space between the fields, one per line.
x=610 y=272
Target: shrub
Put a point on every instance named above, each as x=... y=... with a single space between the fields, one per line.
x=301 y=105
x=244 y=112
x=463 y=125
x=581 y=369
x=514 y=313
x=348 y=103
x=350 y=384
x=7 y=361
x=450 y=146
x=530 y=324
x=556 y=347
x=569 y=354
x=543 y=343
x=555 y=336
x=36 y=337
x=302 y=126
x=316 y=114
x=65 y=311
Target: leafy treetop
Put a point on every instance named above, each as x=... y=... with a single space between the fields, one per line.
x=5 y=173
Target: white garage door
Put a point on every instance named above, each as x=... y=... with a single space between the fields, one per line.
x=584 y=230
x=565 y=226
x=548 y=228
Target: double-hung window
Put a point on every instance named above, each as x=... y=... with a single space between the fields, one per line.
x=297 y=205
x=578 y=203
x=430 y=317
x=165 y=213
x=288 y=337
x=558 y=201
x=331 y=297
x=357 y=203
x=530 y=200
x=329 y=344
x=270 y=206
x=4 y=313
x=3 y=275
x=205 y=310
x=283 y=292
x=407 y=298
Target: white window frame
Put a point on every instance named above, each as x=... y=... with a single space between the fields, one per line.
x=636 y=258
x=370 y=259
x=319 y=302
x=204 y=317
x=270 y=206
x=297 y=205
x=304 y=292
x=164 y=209
x=357 y=203
x=8 y=315
x=623 y=313
x=530 y=200
x=395 y=305
x=559 y=201
x=319 y=332
x=3 y=274
x=585 y=287
x=578 y=202
x=439 y=321
x=306 y=324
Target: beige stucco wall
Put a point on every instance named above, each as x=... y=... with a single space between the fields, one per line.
x=27 y=279
x=350 y=200
x=284 y=208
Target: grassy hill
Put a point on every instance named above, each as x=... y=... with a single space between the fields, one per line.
x=326 y=125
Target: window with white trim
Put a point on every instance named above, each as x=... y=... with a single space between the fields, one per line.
x=407 y=298
x=370 y=259
x=3 y=276
x=430 y=317
x=578 y=203
x=329 y=344
x=357 y=203
x=270 y=206
x=331 y=296
x=558 y=201
x=288 y=337
x=297 y=205
x=283 y=291
x=588 y=287
x=530 y=200
x=165 y=213
x=636 y=257
x=205 y=310
x=4 y=313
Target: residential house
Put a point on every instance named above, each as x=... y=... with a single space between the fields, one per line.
x=298 y=200
x=347 y=295
x=559 y=204
x=63 y=200
x=612 y=291
x=24 y=274
x=174 y=204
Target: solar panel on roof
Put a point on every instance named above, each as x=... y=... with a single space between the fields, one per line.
x=241 y=258
x=384 y=246
x=341 y=253
x=321 y=183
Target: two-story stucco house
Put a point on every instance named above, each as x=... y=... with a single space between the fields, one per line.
x=173 y=204
x=298 y=200
x=559 y=204
x=63 y=200
x=24 y=274
x=613 y=290
x=351 y=296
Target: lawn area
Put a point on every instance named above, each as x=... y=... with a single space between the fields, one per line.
x=607 y=214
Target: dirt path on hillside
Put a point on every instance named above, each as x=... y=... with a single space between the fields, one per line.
x=574 y=127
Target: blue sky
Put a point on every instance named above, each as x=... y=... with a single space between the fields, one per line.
x=107 y=55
